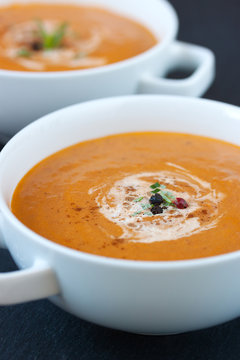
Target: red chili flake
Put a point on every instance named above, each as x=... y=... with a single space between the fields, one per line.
x=180 y=203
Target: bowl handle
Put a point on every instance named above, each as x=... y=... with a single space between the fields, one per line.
x=36 y=282
x=188 y=57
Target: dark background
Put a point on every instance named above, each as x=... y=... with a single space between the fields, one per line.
x=39 y=330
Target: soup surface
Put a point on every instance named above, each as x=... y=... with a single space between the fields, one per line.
x=141 y=196
x=48 y=37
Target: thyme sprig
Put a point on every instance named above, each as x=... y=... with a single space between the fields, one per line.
x=54 y=39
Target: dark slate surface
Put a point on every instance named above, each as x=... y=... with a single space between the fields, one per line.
x=39 y=330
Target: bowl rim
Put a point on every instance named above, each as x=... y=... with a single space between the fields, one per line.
x=109 y=261
x=160 y=45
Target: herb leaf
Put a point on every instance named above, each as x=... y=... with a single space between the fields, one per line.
x=146 y=206
x=168 y=194
x=24 y=53
x=136 y=213
x=148 y=213
x=51 y=40
x=155 y=191
x=154 y=186
x=165 y=198
x=138 y=199
x=58 y=35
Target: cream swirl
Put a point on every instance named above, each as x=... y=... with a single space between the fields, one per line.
x=75 y=52
x=118 y=205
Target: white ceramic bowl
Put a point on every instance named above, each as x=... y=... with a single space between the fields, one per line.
x=25 y=96
x=136 y=296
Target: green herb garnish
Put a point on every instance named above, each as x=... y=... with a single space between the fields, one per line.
x=136 y=213
x=154 y=186
x=148 y=213
x=24 y=53
x=138 y=199
x=165 y=198
x=157 y=187
x=54 y=39
x=146 y=206
x=168 y=194
x=155 y=191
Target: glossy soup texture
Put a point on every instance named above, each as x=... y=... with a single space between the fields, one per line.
x=96 y=197
x=52 y=37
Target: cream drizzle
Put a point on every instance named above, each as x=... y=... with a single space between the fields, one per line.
x=76 y=52
x=118 y=205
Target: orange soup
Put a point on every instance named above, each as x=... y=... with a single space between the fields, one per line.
x=48 y=37
x=141 y=196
